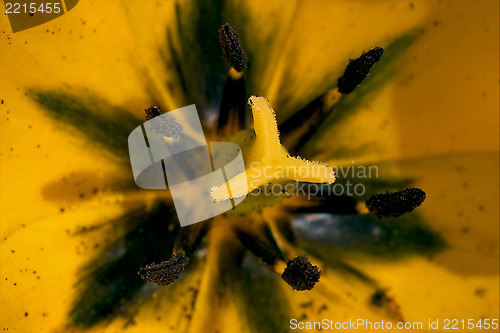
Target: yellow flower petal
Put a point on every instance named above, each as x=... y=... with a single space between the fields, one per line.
x=442 y=99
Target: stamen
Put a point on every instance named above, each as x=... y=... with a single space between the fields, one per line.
x=232 y=106
x=396 y=203
x=265 y=247
x=166 y=272
x=358 y=69
x=153 y=111
x=231 y=47
x=301 y=126
x=190 y=237
x=166 y=126
x=300 y=274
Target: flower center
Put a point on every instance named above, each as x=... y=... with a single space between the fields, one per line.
x=270 y=174
x=267 y=162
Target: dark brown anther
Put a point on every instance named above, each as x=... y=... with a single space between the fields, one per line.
x=300 y=274
x=152 y=112
x=394 y=204
x=166 y=126
x=358 y=69
x=231 y=47
x=166 y=272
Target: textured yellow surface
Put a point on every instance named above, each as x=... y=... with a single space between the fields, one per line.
x=267 y=162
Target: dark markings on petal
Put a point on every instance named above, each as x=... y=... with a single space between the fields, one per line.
x=284 y=227
x=346 y=269
x=190 y=237
x=262 y=297
x=196 y=56
x=301 y=126
x=358 y=69
x=300 y=274
x=166 y=272
x=330 y=237
x=321 y=199
x=233 y=107
x=173 y=61
x=373 y=185
x=394 y=204
x=380 y=299
x=192 y=57
x=298 y=118
x=262 y=245
x=230 y=254
x=83 y=185
x=109 y=286
x=231 y=47
x=91 y=117
x=150 y=86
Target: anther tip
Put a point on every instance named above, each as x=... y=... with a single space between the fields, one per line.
x=166 y=272
x=394 y=204
x=358 y=69
x=153 y=111
x=300 y=274
x=231 y=47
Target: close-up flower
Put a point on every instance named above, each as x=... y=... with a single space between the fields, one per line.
x=369 y=133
